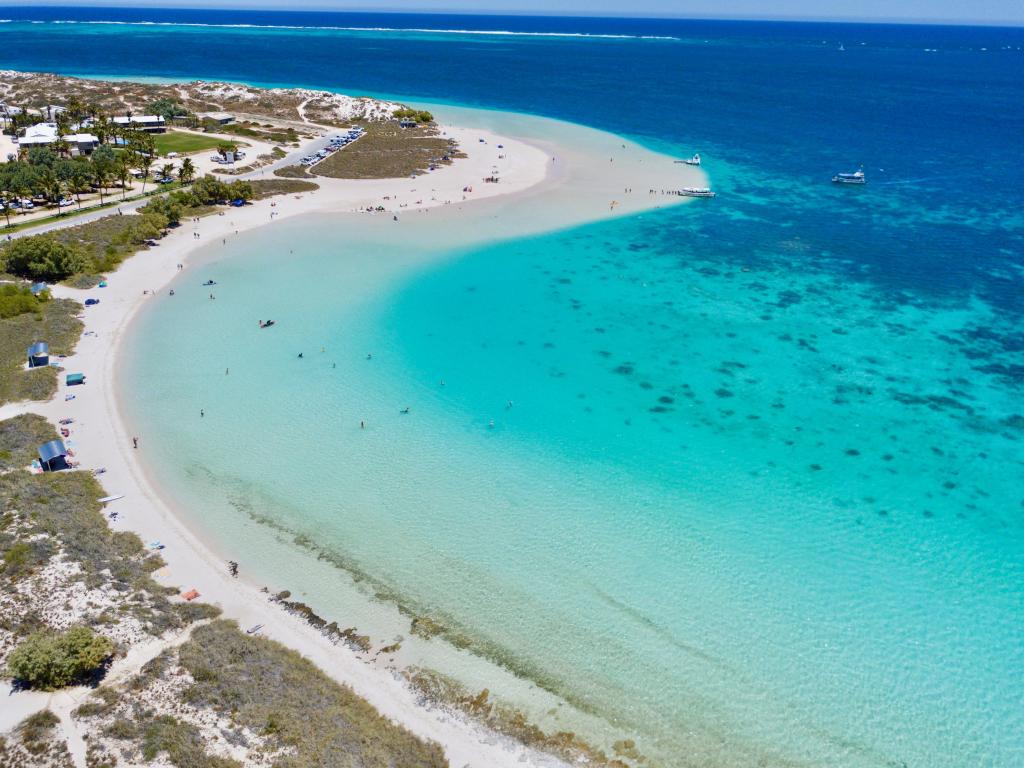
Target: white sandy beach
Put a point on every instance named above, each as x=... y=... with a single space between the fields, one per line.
x=570 y=186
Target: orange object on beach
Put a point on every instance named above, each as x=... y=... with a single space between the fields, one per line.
x=192 y=594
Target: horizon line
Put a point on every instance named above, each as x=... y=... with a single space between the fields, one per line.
x=439 y=11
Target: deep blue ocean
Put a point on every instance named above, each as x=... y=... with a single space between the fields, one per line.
x=761 y=498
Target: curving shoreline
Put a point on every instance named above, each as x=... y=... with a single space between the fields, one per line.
x=581 y=183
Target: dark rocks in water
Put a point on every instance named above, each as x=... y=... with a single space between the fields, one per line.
x=852 y=452
x=949 y=485
x=723 y=392
x=938 y=451
x=767 y=318
x=934 y=402
x=887 y=457
x=659 y=409
x=599 y=330
x=666 y=399
x=788 y=299
x=604 y=353
x=549 y=345
x=646 y=385
x=1008 y=374
x=564 y=281
x=624 y=370
x=840 y=332
x=804 y=344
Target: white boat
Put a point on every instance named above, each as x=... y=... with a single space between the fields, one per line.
x=696 y=192
x=857 y=177
x=695 y=160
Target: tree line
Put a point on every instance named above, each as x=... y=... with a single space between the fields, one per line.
x=51 y=258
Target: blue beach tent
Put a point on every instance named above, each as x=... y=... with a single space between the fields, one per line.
x=51 y=456
x=39 y=355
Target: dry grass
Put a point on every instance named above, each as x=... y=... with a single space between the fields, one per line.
x=279 y=707
x=61 y=509
x=387 y=151
x=55 y=323
x=265 y=188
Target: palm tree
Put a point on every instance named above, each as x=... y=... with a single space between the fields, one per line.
x=61 y=146
x=50 y=185
x=100 y=176
x=103 y=128
x=187 y=172
x=166 y=170
x=123 y=171
x=143 y=147
x=79 y=183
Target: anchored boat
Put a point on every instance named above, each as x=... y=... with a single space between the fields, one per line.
x=695 y=160
x=696 y=192
x=857 y=177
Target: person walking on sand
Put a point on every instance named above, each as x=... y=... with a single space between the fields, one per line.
x=135 y=442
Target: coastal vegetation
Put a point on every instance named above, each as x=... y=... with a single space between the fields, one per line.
x=266 y=699
x=386 y=151
x=45 y=318
x=297 y=105
x=35 y=743
x=64 y=566
x=419 y=115
x=264 y=188
x=50 y=659
x=99 y=246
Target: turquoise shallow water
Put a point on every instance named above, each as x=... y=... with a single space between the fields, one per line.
x=741 y=512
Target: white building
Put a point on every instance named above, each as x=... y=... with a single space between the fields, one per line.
x=150 y=123
x=45 y=134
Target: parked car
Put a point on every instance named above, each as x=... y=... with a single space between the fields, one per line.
x=91 y=302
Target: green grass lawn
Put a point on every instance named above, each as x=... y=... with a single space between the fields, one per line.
x=184 y=142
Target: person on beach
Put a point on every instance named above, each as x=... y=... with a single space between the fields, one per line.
x=202 y=413
x=135 y=442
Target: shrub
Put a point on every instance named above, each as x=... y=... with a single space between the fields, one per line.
x=18 y=299
x=49 y=660
x=43 y=257
x=170 y=208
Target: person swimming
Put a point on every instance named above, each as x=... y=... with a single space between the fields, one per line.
x=405 y=410
x=300 y=355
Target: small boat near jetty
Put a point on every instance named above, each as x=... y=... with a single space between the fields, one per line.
x=695 y=160
x=857 y=177
x=696 y=192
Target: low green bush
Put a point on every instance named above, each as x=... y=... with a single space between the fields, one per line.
x=49 y=660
